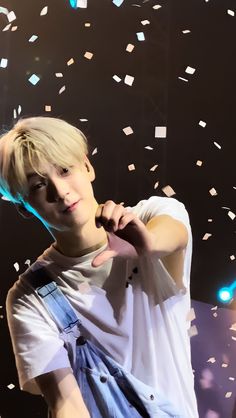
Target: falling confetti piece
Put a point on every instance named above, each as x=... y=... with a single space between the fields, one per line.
x=217 y=145
x=202 y=123
x=232 y=378
x=59 y=75
x=206 y=236
x=190 y=70
x=27 y=262
x=19 y=109
x=140 y=36
x=215 y=314
x=14 y=28
x=4 y=10
x=224 y=365
x=168 y=191
x=70 y=62
x=228 y=394
x=231 y=215
x=149 y=148
x=44 y=11
x=160 y=131
x=156 y=7
x=48 y=108
x=232 y=257
x=129 y=47
x=186 y=31
x=116 y=78
x=6 y=28
x=82 y=4
x=230 y=12
x=88 y=55
x=129 y=80
x=16 y=266
x=199 y=163
x=131 y=167
x=191 y=315
x=117 y=3
x=11 y=16
x=145 y=22
x=128 y=130
x=156 y=185
x=34 y=79
x=183 y=79
x=211 y=360
x=209 y=220
x=95 y=151
x=193 y=331
x=153 y=168
x=62 y=89
x=214 y=308
x=33 y=38
x=3 y=62
x=87 y=25
x=83 y=120
x=233 y=338
x=213 y=192
x=11 y=386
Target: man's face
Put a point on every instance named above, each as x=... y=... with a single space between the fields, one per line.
x=63 y=197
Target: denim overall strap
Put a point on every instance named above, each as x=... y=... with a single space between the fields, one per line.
x=55 y=300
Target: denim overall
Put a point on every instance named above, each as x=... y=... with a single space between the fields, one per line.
x=107 y=389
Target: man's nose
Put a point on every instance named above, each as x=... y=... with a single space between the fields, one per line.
x=58 y=190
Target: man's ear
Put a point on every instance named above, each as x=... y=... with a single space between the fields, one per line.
x=23 y=211
x=89 y=168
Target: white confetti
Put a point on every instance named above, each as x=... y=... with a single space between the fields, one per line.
x=209 y=220
x=160 y=131
x=129 y=47
x=59 y=75
x=217 y=145
x=131 y=167
x=228 y=394
x=214 y=308
x=16 y=266
x=44 y=11
x=62 y=89
x=88 y=55
x=193 y=331
x=140 y=36
x=27 y=262
x=156 y=6
x=4 y=10
x=117 y=3
x=206 y=236
x=231 y=215
x=19 y=109
x=128 y=130
x=116 y=78
x=232 y=378
x=202 y=123
x=48 y=108
x=70 y=62
x=11 y=16
x=83 y=120
x=215 y=314
x=82 y=4
x=14 y=28
x=87 y=25
x=6 y=27
x=199 y=163
x=190 y=70
x=233 y=338
x=149 y=148
x=3 y=62
x=186 y=31
x=129 y=79
x=213 y=192
x=230 y=12
x=211 y=360
x=145 y=22
x=191 y=315
x=183 y=79
x=224 y=365
x=168 y=191
x=14 y=114
x=95 y=151
x=11 y=386
x=154 y=167
x=232 y=257
x=156 y=185
x=33 y=38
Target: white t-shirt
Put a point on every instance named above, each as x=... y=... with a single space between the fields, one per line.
x=131 y=308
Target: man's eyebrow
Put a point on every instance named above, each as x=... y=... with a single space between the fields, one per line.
x=34 y=174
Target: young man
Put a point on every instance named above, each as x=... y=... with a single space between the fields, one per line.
x=125 y=271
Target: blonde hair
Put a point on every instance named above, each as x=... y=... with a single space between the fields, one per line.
x=33 y=142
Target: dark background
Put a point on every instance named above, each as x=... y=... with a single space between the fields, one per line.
x=157 y=98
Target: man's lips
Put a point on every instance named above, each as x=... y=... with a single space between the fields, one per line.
x=71 y=207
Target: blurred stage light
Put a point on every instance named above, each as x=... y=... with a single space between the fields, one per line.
x=73 y=4
x=226 y=294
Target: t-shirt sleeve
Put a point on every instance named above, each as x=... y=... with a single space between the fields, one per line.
x=156 y=206
x=37 y=344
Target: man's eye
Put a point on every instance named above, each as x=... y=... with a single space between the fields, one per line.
x=65 y=170
x=37 y=186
